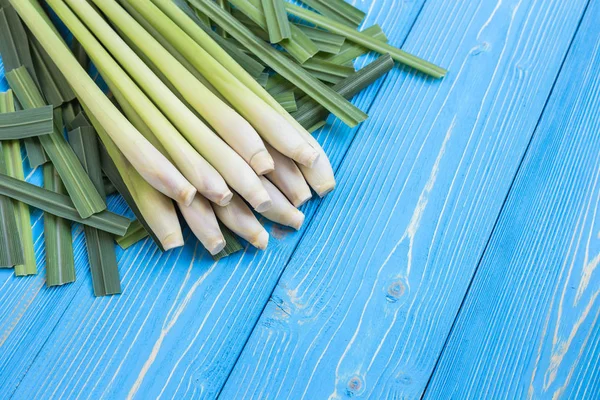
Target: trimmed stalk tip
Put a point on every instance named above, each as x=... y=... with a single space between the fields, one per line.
x=262 y=163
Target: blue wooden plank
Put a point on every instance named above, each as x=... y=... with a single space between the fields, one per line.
x=530 y=327
x=367 y=301
x=182 y=320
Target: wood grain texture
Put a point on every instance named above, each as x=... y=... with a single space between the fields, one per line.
x=182 y=321
x=530 y=325
x=366 y=303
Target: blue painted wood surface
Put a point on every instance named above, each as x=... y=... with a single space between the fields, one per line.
x=530 y=325
x=372 y=284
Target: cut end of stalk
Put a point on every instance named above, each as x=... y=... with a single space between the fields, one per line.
x=261 y=201
x=262 y=163
x=325 y=188
x=215 y=245
x=219 y=198
x=172 y=241
x=296 y=220
x=300 y=200
x=307 y=155
x=186 y=195
x=261 y=240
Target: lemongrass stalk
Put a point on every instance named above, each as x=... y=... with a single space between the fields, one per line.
x=270 y=125
x=199 y=172
x=230 y=125
x=236 y=172
x=160 y=173
x=282 y=211
x=242 y=221
x=320 y=177
x=158 y=210
x=288 y=178
x=202 y=221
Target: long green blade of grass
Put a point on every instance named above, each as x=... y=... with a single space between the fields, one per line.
x=366 y=41
x=26 y=123
x=294 y=73
x=311 y=113
x=350 y=51
x=338 y=10
x=60 y=205
x=79 y=186
x=278 y=25
x=60 y=262
x=298 y=45
x=11 y=150
x=326 y=42
x=100 y=245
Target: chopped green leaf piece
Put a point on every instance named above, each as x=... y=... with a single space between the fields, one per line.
x=287 y=101
x=350 y=51
x=311 y=113
x=26 y=123
x=338 y=10
x=328 y=72
x=298 y=45
x=14 y=46
x=326 y=42
x=60 y=205
x=135 y=233
x=78 y=184
x=100 y=245
x=60 y=262
x=14 y=167
x=278 y=25
x=365 y=40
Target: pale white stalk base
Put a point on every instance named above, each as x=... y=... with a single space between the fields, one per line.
x=238 y=217
x=288 y=179
x=202 y=221
x=282 y=211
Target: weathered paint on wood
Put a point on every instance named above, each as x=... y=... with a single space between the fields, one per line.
x=366 y=303
x=423 y=183
x=530 y=325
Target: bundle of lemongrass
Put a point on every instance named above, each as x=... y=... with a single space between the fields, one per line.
x=202 y=109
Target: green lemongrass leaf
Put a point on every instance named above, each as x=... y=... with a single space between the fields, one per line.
x=326 y=71
x=80 y=54
x=13 y=164
x=55 y=88
x=278 y=25
x=250 y=24
x=78 y=184
x=60 y=262
x=350 y=51
x=278 y=84
x=326 y=42
x=263 y=79
x=298 y=45
x=252 y=66
x=135 y=233
x=109 y=188
x=311 y=113
x=366 y=41
x=316 y=127
x=26 y=123
x=224 y=4
x=35 y=152
x=338 y=10
x=232 y=245
x=14 y=46
x=69 y=112
x=294 y=73
x=60 y=205
x=287 y=101
x=100 y=245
